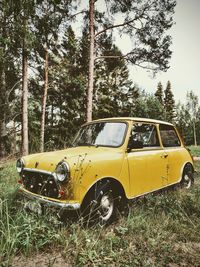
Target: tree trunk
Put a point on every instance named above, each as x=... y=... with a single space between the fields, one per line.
x=2 y=114
x=3 y=135
x=52 y=115
x=91 y=63
x=25 y=101
x=194 y=131
x=44 y=102
x=14 y=142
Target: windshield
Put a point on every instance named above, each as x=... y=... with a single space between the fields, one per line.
x=101 y=134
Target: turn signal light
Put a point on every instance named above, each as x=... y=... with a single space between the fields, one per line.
x=61 y=193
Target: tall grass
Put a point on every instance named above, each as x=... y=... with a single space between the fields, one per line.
x=195 y=150
x=160 y=230
x=19 y=231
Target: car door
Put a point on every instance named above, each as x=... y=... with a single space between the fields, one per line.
x=147 y=161
x=174 y=150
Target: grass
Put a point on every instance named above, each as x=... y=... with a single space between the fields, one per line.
x=160 y=230
x=195 y=150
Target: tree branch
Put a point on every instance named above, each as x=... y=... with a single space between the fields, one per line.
x=145 y=67
x=127 y=22
x=10 y=91
x=116 y=26
x=102 y=57
x=80 y=12
x=125 y=57
x=113 y=56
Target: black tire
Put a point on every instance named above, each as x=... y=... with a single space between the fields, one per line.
x=100 y=205
x=188 y=177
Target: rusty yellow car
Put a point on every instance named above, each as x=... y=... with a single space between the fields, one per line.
x=110 y=161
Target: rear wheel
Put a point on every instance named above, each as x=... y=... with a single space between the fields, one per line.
x=188 y=177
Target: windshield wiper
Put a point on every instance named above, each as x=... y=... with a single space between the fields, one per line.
x=85 y=144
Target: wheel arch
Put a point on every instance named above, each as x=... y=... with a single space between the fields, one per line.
x=187 y=179
x=186 y=166
x=114 y=183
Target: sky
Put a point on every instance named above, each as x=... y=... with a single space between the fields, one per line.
x=184 y=71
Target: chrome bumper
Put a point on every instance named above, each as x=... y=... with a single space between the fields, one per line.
x=50 y=203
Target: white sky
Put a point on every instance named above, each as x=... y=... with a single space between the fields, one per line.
x=184 y=71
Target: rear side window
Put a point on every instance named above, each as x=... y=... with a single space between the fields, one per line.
x=169 y=136
x=146 y=134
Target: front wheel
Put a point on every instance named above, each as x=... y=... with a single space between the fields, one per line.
x=100 y=205
x=187 y=178
x=105 y=206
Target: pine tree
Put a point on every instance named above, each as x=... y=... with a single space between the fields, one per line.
x=183 y=123
x=114 y=92
x=65 y=105
x=24 y=15
x=148 y=106
x=145 y=22
x=159 y=93
x=155 y=109
x=50 y=16
x=9 y=79
x=169 y=103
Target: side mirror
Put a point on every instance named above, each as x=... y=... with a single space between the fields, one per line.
x=134 y=144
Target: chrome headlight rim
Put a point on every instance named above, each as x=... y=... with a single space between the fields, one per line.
x=62 y=172
x=20 y=164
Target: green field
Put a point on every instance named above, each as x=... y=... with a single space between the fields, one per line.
x=160 y=230
x=195 y=150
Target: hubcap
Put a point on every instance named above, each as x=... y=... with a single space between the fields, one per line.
x=187 y=181
x=106 y=207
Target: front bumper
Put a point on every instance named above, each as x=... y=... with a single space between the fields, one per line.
x=49 y=202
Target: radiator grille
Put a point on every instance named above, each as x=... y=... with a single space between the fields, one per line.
x=40 y=183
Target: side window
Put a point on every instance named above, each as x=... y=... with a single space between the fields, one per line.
x=169 y=136
x=145 y=135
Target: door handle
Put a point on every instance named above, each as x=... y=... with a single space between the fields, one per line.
x=164 y=156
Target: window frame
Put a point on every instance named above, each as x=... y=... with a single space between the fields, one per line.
x=176 y=134
x=148 y=148
x=105 y=121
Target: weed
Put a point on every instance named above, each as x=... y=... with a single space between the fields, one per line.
x=159 y=230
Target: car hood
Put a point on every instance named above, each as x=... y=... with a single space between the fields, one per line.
x=48 y=161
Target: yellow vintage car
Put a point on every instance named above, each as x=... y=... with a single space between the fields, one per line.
x=109 y=161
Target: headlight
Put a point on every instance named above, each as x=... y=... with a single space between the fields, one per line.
x=62 y=171
x=19 y=165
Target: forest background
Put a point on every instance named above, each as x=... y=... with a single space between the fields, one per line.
x=50 y=72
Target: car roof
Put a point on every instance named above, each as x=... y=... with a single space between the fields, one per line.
x=137 y=119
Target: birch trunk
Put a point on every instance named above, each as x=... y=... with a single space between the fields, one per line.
x=44 y=102
x=24 y=101
x=91 y=62
x=194 y=131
